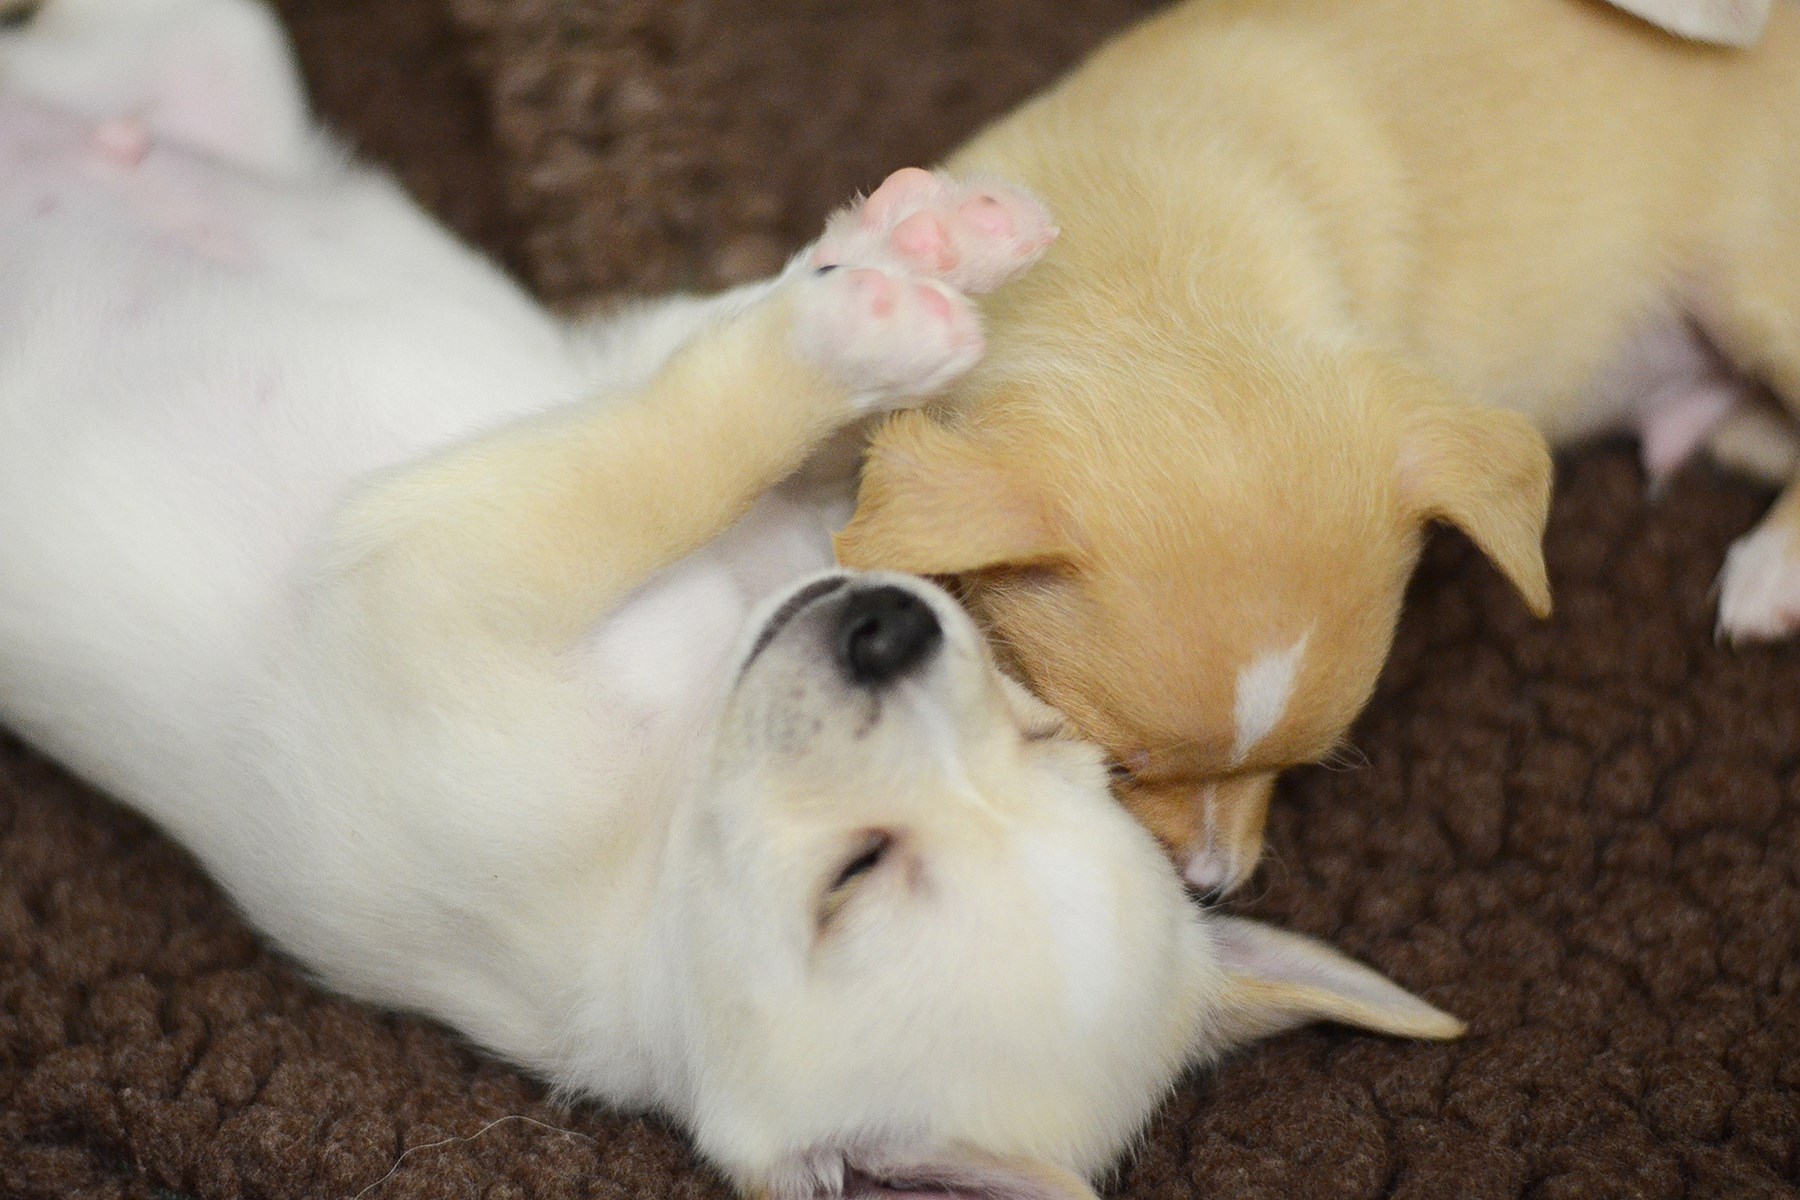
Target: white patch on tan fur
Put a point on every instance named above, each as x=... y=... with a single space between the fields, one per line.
x=1211 y=865
x=1263 y=689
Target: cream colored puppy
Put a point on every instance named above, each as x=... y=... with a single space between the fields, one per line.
x=1326 y=270
x=497 y=668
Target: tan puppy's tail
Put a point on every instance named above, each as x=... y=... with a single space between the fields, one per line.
x=1725 y=22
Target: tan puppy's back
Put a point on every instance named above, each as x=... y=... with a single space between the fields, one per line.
x=1501 y=188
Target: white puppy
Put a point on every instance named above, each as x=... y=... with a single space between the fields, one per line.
x=496 y=668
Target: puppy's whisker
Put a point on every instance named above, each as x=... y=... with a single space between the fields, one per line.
x=1345 y=756
x=1263 y=878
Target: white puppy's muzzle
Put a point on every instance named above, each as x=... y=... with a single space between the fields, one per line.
x=876 y=628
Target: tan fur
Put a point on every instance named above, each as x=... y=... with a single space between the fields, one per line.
x=1299 y=238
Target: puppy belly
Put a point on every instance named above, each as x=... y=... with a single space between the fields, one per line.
x=194 y=363
x=53 y=162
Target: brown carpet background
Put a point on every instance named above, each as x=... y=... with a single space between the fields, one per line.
x=1582 y=835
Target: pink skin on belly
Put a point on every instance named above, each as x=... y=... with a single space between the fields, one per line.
x=1670 y=387
x=1677 y=420
x=48 y=157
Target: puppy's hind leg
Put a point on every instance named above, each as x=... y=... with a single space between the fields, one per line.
x=1759 y=588
x=212 y=75
x=1756 y=320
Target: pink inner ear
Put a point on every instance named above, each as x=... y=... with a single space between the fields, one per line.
x=860 y=1187
x=1248 y=950
x=962 y=1177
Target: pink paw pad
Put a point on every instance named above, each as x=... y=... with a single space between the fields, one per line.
x=923 y=242
x=874 y=292
x=887 y=336
x=905 y=190
x=972 y=236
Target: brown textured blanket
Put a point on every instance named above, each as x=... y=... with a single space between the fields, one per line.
x=1583 y=835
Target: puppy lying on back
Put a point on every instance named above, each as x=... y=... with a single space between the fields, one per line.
x=1326 y=271
x=497 y=668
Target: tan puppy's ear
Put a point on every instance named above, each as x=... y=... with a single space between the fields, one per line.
x=935 y=501
x=1277 y=980
x=1487 y=472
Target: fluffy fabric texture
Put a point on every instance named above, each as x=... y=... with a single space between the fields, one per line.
x=1582 y=835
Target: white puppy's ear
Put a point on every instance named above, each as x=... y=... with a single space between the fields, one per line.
x=1277 y=980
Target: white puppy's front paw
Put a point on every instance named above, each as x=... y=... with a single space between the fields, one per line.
x=887 y=336
x=973 y=236
x=1759 y=588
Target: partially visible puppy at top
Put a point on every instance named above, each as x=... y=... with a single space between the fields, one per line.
x=1726 y=22
x=1329 y=273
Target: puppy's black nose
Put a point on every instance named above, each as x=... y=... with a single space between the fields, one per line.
x=882 y=633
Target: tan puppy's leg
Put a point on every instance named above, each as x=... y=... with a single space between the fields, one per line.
x=532 y=533
x=1759 y=588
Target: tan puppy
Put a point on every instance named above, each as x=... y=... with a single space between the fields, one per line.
x=1323 y=268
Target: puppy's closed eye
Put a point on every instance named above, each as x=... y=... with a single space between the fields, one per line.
x=867 y=855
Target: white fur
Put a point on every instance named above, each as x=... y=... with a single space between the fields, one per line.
x=1264 y=687
x=1211 y=864
x=1759 y=588
x=605 y=864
